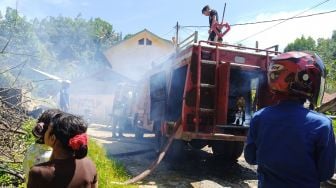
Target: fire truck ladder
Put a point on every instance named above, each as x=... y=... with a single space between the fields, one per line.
x=206 y=86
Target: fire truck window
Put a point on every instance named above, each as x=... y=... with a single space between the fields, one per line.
x=148 y=42
x=141 y=41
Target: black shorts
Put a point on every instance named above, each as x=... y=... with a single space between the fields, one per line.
x=213 y=35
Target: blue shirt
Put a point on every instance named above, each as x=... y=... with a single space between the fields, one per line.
x=292 y=146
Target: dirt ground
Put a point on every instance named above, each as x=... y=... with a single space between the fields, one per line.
x=195 y=168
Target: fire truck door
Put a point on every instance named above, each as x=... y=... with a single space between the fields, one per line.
x=158 y=96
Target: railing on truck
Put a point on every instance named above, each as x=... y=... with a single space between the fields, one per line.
x=193 y=40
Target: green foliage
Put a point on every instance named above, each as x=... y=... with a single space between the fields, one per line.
x=5 y=179
x=109 y=171
x=70 y=47
x=27 y=126
x=302 y=44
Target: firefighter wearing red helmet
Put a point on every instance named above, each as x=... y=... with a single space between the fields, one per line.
x=297 y=75
x=292 y=146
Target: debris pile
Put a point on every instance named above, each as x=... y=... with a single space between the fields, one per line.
x=12 y=138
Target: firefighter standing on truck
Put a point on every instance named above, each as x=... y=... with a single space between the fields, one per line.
x=213 y=19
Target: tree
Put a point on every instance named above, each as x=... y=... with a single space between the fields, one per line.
x=70 y=47
x=301 y=44
x=128 y=36
x=326 y=48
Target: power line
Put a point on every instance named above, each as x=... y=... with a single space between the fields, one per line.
x=173 y=29
x=265 y=21
x=268 y=28
x=189 y=32
x=281 y=19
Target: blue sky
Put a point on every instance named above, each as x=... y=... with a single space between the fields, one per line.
x=159 y=16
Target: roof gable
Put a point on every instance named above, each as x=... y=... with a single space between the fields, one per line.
x=144 y=31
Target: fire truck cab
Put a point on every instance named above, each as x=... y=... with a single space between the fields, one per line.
x=212 y=89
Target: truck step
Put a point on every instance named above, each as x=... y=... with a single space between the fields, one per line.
x=207 y=110
x=207 y=86
x=232 y=127
x=208 y=62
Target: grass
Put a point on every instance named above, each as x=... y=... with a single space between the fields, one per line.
x=109 y=171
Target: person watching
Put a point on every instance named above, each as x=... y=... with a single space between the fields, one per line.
x=68 y=166
x=39 y=152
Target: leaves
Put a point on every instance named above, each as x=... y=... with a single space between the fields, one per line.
x=302 y=44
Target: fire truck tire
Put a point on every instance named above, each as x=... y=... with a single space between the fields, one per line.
x=227 y=150
x=176 y=148
x=175 y=151
x=198 y=144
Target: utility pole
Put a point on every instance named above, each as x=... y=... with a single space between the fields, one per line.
x=177 y=34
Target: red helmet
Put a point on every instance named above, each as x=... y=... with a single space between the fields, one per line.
x=297 y=74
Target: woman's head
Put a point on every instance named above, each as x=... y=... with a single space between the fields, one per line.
x=69 y=130
x=42 y=124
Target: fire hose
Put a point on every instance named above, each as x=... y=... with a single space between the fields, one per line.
x=157 y=161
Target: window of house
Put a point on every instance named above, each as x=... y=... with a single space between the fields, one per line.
x=148 y=42
x=141 y=41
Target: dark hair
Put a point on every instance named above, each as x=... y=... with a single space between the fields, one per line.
x=205 y=8
x=45 y=118
x=67 y=126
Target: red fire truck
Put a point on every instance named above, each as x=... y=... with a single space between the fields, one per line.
x=212 y=89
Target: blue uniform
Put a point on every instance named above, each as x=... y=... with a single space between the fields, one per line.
x=292 y=146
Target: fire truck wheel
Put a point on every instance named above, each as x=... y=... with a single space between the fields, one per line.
x=227 y=150
x=176 y=149
x=198 y=144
